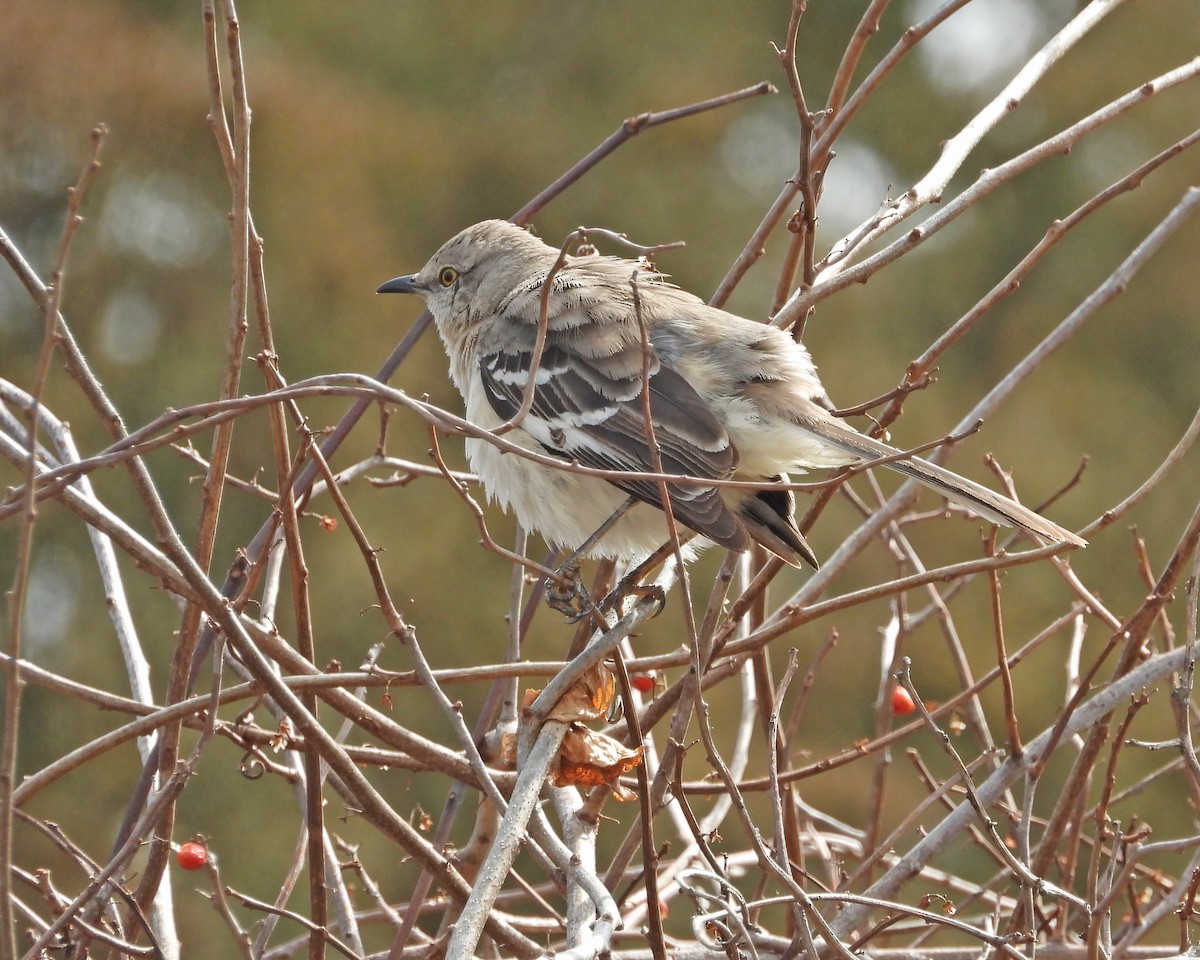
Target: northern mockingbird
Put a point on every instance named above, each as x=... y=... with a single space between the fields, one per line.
x=729 y=399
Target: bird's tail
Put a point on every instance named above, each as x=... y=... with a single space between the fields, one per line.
x=991 y=506
x=769 y=517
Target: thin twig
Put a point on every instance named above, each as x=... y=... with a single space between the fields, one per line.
x=17 y=594
x=630 y=128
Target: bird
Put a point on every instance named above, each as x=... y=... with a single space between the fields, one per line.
x=729 y=398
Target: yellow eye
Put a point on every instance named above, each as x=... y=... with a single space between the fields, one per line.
x=447 y=276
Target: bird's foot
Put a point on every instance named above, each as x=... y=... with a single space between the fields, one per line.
x=567 y=595
x=631 y=586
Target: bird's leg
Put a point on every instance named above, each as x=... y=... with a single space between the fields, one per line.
x=631 y=584
x=566 y=593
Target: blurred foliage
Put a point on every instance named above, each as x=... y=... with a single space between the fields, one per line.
x=380 y=129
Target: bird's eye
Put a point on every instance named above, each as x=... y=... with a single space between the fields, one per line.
x=447 y=276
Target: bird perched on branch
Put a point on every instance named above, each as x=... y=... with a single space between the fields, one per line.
x=728 y=399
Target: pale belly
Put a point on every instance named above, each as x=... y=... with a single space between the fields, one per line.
x=564 y=508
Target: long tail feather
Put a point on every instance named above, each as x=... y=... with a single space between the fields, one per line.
x=992 y=506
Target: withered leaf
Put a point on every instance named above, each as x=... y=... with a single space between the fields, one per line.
x=591 y=759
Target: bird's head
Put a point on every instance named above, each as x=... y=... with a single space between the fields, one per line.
x=469 y=278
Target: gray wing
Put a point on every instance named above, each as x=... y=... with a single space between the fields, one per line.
x=588 y=406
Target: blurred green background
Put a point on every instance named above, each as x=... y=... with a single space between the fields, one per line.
x=381 y=128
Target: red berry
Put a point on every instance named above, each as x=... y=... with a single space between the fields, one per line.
x=902 y=702
x=192 y=855
x=643 y=681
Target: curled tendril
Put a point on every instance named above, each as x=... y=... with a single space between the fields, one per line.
x=251 y=767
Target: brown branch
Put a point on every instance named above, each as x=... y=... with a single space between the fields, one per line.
x=631 y=128
x=17 y=594
x=319 y=932
x=1006 y=684
x=650 y=854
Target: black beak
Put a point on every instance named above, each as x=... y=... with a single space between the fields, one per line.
x=400 y=285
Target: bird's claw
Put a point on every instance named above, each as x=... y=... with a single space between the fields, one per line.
x=567 y=595
x=641 y=591
x=652 y=592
